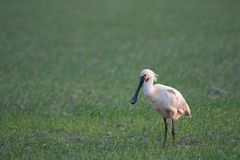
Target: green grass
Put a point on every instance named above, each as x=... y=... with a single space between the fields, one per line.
x=69 y=68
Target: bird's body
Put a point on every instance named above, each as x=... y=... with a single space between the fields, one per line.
x=167 y=101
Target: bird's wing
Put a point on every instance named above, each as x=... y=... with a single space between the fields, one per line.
x=177 y=101
x=169 y=90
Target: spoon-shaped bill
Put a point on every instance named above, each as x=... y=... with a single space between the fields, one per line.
x=134 y=98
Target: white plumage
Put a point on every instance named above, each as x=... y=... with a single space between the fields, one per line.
x=167 y=101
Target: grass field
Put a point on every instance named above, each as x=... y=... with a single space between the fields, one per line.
x=69 y=68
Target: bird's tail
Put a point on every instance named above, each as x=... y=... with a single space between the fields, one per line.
x=187 y=114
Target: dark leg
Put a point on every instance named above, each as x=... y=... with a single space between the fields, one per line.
x=165 y=133
x=173 y=132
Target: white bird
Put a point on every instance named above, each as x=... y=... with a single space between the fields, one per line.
x=167 y=101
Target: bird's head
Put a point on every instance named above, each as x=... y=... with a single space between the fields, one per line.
x=148 y=74
x=145 y=76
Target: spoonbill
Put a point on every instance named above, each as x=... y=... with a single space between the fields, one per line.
x=167 y=101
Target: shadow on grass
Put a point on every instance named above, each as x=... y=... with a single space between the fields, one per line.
x=189 y=140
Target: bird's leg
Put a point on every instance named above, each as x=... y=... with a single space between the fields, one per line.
x=165 y=133
x=173 y=132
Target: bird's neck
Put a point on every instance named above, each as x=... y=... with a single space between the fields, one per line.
x=148 y=87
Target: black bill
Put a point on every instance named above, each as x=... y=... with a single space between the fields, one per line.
x=134 y=98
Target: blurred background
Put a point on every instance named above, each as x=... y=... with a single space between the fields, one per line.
x=69 y=68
